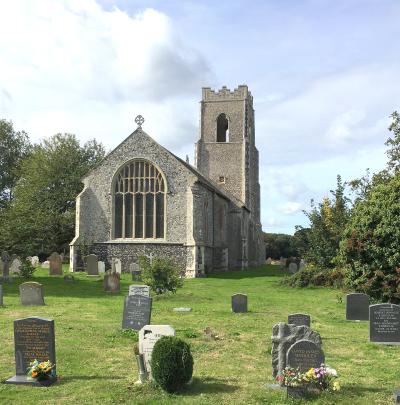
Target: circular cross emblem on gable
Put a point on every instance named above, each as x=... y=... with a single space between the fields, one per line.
x=139 y=120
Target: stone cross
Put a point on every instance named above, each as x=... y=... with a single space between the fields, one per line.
x=139 y=121
x=281 y=339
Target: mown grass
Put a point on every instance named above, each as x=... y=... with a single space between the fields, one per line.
x=95 y=360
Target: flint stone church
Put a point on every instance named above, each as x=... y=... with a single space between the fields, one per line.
x=143 y=200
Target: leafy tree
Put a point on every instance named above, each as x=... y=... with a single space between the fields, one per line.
x=42 y=214
x=14 y=147
x=279 y=245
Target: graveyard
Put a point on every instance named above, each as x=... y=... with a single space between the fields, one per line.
x=232 y=359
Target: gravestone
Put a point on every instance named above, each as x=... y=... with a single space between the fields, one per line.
x=302 y=264
x=45 y=265
x=268 y=261
x=384 y=323
x=283 y=337
x=31 y=293
x=112 y=283
x=134 y=269
x=69 y=278
x=137 y=312
x=55 y=264
x=101 y=267
x=33 y=339
x=239 y=303
x=182 y=309
x=91 y=265
x=357 y=307
x=116 y=266
x=292 y=268
x=143 y=290
x=1 y=295
x=305 y=354
x=299 y=319
x=5 y=258
x=15 y=267
x=148 y=337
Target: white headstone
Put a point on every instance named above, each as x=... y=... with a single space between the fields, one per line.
x=15 y=267
x=268 y=261
x=116 y=266
x=139 y=290
x=302 y=264
x=148 y=337
x=46 y=264
x=101 y=267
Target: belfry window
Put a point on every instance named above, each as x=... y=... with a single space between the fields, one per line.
x=222 y=128
x=139 y=201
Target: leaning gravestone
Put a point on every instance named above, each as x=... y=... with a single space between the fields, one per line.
x=148 y=337
x=15 y=267
x=112 y=283
x=92 y=265
x=101 y=267
x=299 y=319
x=31 y=293
x=283 y=337
x=305 y=354
x=239 y=303
x=292 y=268
x=33 y=339
x=137 y=312
x=55 y=264
x=357 y=307
x=143 y=290
x=384 y=324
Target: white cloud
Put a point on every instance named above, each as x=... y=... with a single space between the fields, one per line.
x=290 y=207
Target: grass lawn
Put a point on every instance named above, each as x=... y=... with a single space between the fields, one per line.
x=95 y=360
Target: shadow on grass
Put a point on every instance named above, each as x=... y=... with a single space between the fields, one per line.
x=357 y=390
x=208 y=385
x=70 y=378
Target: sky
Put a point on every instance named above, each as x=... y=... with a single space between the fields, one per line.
x=324 y=77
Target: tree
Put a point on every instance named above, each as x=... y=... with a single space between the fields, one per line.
x=279 y=245
x=14 y=147
x=42 y=214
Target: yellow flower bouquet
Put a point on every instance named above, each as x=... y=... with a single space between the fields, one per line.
x=41 y=370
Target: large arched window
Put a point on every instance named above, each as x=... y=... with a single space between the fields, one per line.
x=139 y=201
x=222 y=128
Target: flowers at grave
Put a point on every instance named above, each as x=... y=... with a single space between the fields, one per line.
x=41 y=370
x=322 y=378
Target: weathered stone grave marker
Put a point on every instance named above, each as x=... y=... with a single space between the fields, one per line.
x=116 y=266
x=112 y=283
x=268 y=261
x=239 y=303
x=137 y=312
x=304 y=354
x=31 y=293
x=33 y=339
x=101 y=267
x=283 y=337
x=55 y=264
x=299 y=319
x=357 y=307
x=182 y=309
x=15 y=267
x=134 y=269
x=148 y=337
x=302 y=264
x=91 y=265
x=384 y=324
x=292 y=268
x=143 y=290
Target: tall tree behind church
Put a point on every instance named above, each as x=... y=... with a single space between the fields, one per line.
x=41 y=216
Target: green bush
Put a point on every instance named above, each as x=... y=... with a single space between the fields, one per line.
x=171 y=363
x=26 y=269
x=161 y=274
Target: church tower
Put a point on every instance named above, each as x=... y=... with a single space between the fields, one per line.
x=226 y=151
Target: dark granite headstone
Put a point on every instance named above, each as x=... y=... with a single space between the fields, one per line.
x=357 y=307
x=299 y=319
x=384 y=323
x=137 y=312
x=305 y=354
x=239 y=303
x=55 y=264
x=112 y=283
x=33 y=340
x=31 y=293
x=91 y=265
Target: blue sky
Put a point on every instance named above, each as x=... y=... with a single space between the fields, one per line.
x=324 y=76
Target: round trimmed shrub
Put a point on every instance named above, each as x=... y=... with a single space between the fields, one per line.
x=171 y=363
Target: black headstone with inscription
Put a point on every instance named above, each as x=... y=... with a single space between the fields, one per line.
x=304 y=354
x=384 y=323
x=34 y=340
x=239 y=303
x=137 y=312
x=357 y=307
x=299 y=319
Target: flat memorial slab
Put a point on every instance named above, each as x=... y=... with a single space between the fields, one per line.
x=25 y=380
x=182 y=309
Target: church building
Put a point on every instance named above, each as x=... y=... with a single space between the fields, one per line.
x=143 y=200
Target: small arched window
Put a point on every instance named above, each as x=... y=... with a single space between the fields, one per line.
x=222 y=128
x=139 y=201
